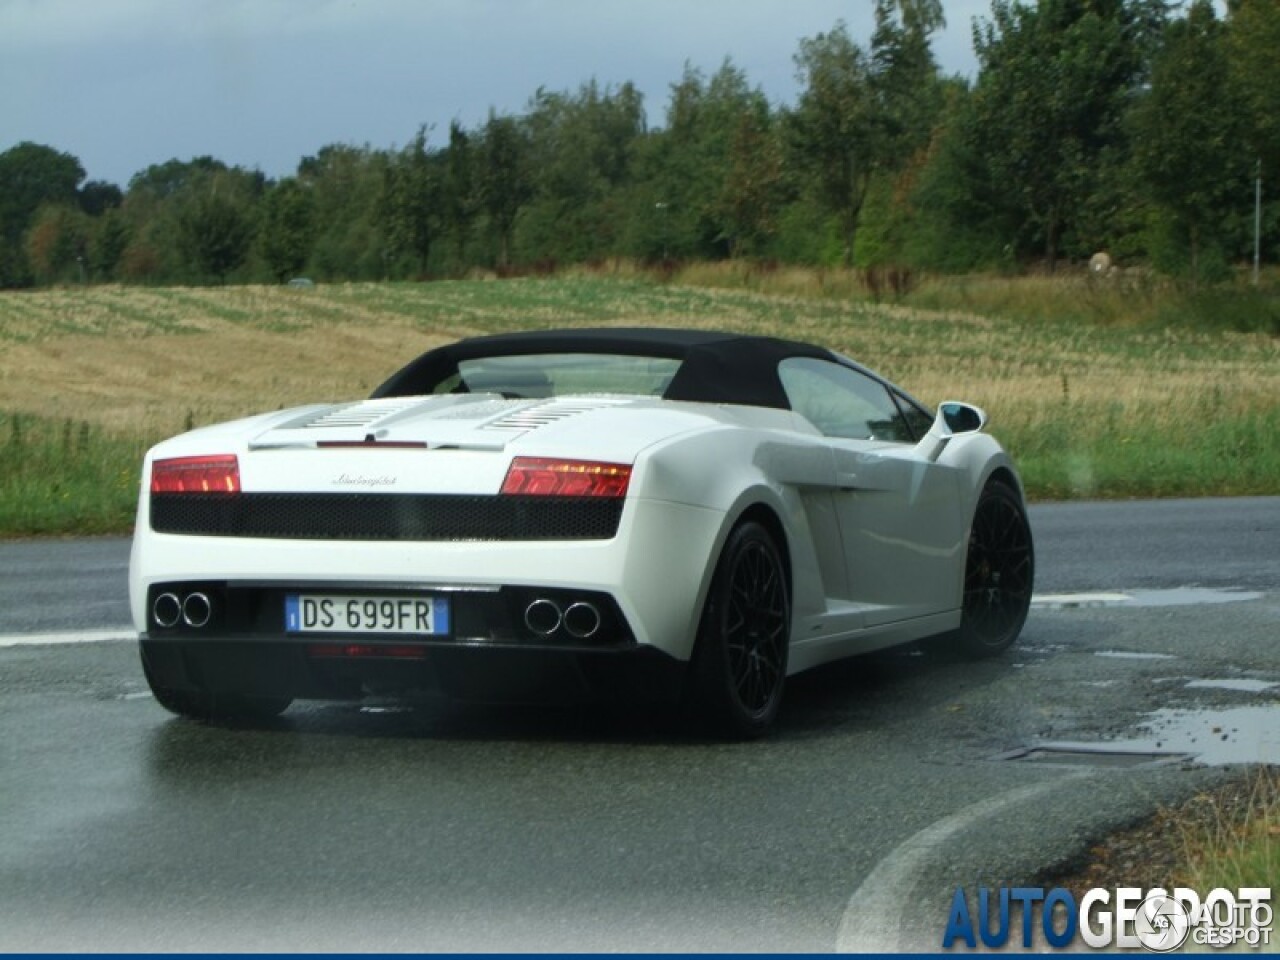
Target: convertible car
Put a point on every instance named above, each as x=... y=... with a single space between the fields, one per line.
x=652 y=514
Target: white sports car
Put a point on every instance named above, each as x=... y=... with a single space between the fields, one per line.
x=655 y=514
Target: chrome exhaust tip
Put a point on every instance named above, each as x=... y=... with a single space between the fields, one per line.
x=543 y=617
x=166 y=610
x=196 y=610
x=582 y=620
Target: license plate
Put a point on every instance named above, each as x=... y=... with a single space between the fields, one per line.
x=334 y=613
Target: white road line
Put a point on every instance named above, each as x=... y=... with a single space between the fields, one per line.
x=1078 y=599
x=70 y=636
x=883 y=909
x=1170 y=597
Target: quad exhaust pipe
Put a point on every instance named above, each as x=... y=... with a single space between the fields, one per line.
x=195 y=610
x=167 y=610
x=543 y=617
x=581 y=619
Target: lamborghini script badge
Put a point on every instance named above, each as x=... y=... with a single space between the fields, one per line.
x=362 y=480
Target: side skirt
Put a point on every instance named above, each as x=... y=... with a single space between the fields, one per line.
x=819 y=650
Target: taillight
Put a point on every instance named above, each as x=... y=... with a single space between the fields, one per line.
x=542 y=477
x=218 y=474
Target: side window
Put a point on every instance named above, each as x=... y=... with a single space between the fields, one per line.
x=842 y=402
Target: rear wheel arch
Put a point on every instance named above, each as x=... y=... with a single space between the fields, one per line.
x=752 y=510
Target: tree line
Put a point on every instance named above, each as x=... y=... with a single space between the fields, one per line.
x=1123 y=126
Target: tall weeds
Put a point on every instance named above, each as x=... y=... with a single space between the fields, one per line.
x=1128 y=297
x=1239 y=847
x=65 y=477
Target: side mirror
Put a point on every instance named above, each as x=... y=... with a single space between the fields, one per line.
x=960 y=418
x=954 y=419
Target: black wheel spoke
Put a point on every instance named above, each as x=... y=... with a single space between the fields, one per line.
x=755 y=625
x=998 y=570
x=740 y=661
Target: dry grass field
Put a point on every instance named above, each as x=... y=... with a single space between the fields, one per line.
x=1089 y=409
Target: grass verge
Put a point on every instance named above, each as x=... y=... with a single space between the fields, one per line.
x=1227 y=837
x=1239 y=844
x=65 y=476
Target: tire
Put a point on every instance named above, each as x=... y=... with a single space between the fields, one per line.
x=999 y=573
x=205 y=707
x=739 y=664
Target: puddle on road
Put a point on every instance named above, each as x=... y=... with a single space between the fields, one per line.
x=1175 y=597
x=1214 y=737
x=1231 y=735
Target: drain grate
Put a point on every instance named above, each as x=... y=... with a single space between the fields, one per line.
x=1088 y=756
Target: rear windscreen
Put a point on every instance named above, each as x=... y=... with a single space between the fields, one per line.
x=556 y=374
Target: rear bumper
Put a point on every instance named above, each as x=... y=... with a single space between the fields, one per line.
x=487 y=652
x=275 y=667
x=655 y=571
x=235 y=610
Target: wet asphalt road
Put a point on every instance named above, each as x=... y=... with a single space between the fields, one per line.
x=450 y=827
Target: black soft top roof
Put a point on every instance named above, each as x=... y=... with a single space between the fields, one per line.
x=715 y=367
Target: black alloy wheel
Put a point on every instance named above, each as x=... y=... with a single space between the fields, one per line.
x=740 y=661
x=999 y=573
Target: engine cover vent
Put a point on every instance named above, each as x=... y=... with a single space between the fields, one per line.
x=539 y=415
x=360 y=414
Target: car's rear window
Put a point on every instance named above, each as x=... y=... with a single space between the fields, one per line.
x=555 y=374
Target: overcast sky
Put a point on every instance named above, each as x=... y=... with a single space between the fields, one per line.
x=122 y=84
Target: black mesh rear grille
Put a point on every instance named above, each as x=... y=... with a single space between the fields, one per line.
x=385 y=516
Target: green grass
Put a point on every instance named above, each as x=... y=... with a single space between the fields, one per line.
x=59 y=477
x=1241 y=850
x=1249 y=857
x=1226 y=455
